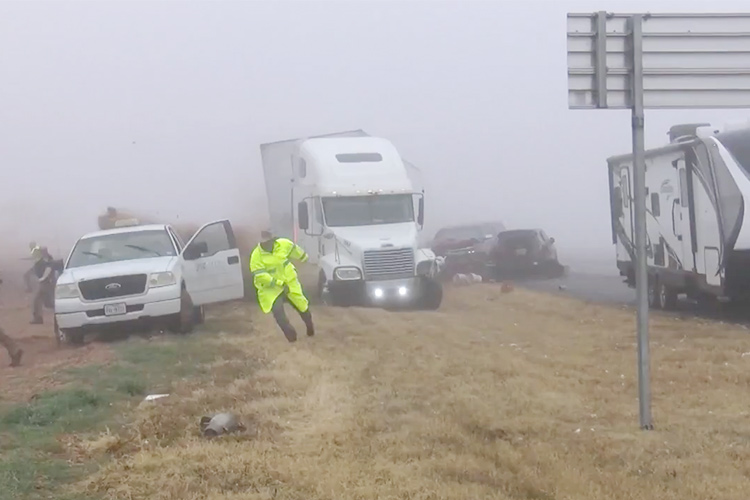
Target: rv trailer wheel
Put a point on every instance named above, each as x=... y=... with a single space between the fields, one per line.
x=667 y=297
x=653 y=294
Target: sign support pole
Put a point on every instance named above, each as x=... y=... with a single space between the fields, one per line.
x=639 y=203
x=692 y=61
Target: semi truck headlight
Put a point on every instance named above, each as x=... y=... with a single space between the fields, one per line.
x=424 y=268
x=403 y=291
x=69 y=291
x=378 y=293
x=347 y=273
x=156 y=280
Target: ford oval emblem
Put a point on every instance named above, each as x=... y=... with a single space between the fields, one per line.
x=112 y=286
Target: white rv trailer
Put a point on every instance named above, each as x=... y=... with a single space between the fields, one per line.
x=357 y=208
x=698 y=215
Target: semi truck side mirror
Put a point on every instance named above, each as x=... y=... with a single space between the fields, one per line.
x=303 y=219
x=420 y=213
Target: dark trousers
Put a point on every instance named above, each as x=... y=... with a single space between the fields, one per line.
x=283 y=321
x=28 y=280
x=10 y=345
x=44 y=296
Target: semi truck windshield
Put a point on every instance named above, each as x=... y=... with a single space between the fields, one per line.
x=368 y=210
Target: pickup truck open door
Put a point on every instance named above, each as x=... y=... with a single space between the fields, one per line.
x=213 y=270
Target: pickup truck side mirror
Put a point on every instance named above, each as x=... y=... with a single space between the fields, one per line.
x=195 y=250
x=303 y=218
x=420 y=213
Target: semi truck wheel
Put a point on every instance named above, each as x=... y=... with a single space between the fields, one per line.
x=432 y=294
x=334 y=296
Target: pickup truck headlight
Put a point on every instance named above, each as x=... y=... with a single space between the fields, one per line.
x=69 y=291
x=156 y=280
x=347 y=273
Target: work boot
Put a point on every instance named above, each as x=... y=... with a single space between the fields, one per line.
x=307 y=318
x=290 y=333
x=15 y=358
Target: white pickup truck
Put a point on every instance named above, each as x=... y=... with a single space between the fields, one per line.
x=144 y=275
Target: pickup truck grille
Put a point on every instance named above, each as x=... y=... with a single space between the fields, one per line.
x=106 y=288
x=389 y=264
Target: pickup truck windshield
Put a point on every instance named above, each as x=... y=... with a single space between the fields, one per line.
x=118 y=247
x=368 y=210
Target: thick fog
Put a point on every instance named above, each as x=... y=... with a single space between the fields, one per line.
x=160 y=107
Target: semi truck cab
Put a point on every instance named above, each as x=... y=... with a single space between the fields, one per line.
x=357 y=214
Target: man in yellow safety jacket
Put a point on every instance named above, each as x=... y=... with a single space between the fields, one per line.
x=275 y=279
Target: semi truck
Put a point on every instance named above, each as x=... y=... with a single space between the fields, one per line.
x=698 y=215
x=357 y=208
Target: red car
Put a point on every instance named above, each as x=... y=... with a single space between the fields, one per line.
x=457 y=237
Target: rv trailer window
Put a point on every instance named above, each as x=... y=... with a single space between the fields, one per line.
x=302 y=167
x=683 y=188
x=655 y=207
x=738 y=144
x=625 y=188
x=359 y=157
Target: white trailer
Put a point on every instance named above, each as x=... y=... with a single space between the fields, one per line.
x=357 y=208
x=698 y=215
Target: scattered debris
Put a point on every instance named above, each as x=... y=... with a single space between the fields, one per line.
x=221 y=423
x=466 y=279
x=153 y=397
x=506 y=287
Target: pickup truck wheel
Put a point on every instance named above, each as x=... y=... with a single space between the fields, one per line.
x=184 y=321
x=199 y=315
x=68 y=336
x=432 y=294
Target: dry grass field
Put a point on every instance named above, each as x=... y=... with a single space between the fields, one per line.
x=496 y=396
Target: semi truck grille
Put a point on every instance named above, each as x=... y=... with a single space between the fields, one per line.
x=116 y=286
x=389 y=264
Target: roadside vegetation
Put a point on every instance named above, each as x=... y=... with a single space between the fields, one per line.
x=497 y=395
x=40 y=440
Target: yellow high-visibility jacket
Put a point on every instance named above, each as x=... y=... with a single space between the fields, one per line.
x=272 y=271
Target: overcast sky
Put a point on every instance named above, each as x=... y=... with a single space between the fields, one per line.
x=161 y=106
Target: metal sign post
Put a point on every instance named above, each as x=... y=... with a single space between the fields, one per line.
x=655 y=61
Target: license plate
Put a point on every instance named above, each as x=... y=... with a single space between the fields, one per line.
x=114 y=309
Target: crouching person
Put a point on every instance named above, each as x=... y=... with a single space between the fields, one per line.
x=275 y=279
